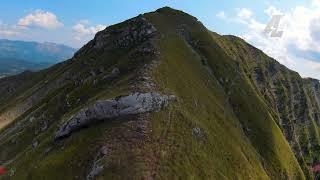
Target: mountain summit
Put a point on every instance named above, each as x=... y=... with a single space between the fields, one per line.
x=159 y=96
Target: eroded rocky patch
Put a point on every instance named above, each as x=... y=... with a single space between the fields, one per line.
x=132 y=104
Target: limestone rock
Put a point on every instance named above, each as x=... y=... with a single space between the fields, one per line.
x=127 y=105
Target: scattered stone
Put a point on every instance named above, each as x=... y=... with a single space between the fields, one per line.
x=198 y=133
x=95 y=170
x=114 y=73
x=127 y=105
x=47 y=150
x=32 y=119
x=97 y=166
x=101 y=69
x=44 y=126
x=12 y=172
x=35 y=144
x=93 y=73
x=221 y=80
x=104 y=150
x=68 y=103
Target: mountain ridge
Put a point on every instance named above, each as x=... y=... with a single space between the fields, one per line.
x=233 y=116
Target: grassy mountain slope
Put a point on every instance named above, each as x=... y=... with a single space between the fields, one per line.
x=294 y=100
x=221 y=126
x=231 y=95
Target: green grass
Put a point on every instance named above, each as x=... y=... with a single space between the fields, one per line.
x=240 y=132
x=292 y=99
x=220 y=110
x=219 y=155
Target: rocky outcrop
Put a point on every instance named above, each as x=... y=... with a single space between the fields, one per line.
x=133 y=32
x=128 y=105
x=139 y=31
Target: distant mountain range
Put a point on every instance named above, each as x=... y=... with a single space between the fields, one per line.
x=18 y=56
x=14 y=66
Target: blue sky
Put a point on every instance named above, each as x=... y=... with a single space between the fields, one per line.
x=105 y=12
x=74 y=22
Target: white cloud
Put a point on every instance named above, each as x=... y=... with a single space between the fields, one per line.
x=84 y=31
x=301 y=26
x=316 y=3
x=271 y=10
x=315 y=29
x=244 y=13
x=40 y=18
x=6 y=30
x=221 y=15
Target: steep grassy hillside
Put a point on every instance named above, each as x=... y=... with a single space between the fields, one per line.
x=234 y=113
x=294 y=101
x=217 y=99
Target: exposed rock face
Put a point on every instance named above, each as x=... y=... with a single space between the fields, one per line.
x=295 y=102
x=128 y=105
x=140 y=31
x=134 y=32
